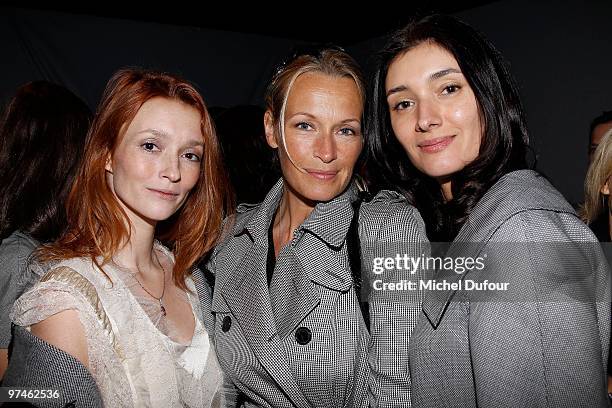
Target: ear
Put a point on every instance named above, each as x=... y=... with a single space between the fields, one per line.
x=108 y=166
x=605 y=189
x=269 y=127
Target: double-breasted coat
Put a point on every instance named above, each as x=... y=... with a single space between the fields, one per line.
x=302 y=341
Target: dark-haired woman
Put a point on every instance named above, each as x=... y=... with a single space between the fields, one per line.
x=42 y=134
x=449 y=131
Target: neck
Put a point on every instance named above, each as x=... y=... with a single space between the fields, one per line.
x=447 y=191
x=291 y=213
x=137 y=253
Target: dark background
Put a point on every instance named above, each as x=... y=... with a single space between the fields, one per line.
x=559 y=51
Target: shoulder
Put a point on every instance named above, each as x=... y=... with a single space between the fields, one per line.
x=525 y=190
x=389 y=212
x=243 y=215
x=63 y=286
x=16 y=248
x=17 y=269
x=385 y=202
x=514 y=197
x=534 y=225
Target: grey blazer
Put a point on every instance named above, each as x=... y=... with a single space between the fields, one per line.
x=541 y=343
x=302 y=342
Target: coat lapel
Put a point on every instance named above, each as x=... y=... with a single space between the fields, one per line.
x=292 y=294
x=312 y=261
x=245 y=291
x=246 y=295
x=296 y=291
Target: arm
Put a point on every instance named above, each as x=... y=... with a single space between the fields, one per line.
x=393 y=314
x=64 y=331
x=540 y=343
x=3 y=362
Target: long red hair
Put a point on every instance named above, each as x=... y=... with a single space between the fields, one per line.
x=97 y=225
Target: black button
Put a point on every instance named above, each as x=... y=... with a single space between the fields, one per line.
x=303 y=335
x=227 y=323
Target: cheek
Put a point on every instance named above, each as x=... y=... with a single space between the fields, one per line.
x=466 y=117
x=300 y=150
x=349 y=151
x=131 y=170
x=190 y=175
x=401 y=128
x=405 y=138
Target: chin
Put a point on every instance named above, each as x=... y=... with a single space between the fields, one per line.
x=157 y=214
x=323 y=193
x=441 y=170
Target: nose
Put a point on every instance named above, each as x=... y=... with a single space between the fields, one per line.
x=325 y=148
x=171 y=168
x=429 y=116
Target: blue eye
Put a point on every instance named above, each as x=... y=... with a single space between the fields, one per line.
x=303 y=126
x=347 y=131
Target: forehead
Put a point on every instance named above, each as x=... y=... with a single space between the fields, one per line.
x=418 y=63
x=168 y=118
x=316 y=90
x=599 y=131
x=162 y=108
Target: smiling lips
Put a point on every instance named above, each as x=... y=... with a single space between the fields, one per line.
x=322 y=175
x=435 y=145
x=164 y=194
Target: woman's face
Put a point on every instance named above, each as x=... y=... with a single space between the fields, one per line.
x=158 y=160
x=322 y=135
x=433 y=110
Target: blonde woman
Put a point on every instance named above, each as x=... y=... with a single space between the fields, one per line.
x=597 y=210
x=292 y=328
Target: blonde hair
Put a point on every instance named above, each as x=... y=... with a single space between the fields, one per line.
x=598 y=174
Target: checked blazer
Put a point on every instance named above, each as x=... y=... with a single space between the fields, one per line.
x=542 y=343
x=302 y=341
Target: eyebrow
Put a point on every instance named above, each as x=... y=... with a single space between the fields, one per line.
x=304 y=114
x=432 y=77
x=161 y=133
x=314 y=117
x=155 y=132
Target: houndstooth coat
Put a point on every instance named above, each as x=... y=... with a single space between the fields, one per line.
x=302 y=342
x=544 y=341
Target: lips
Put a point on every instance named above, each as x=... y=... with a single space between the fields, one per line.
x=436 y=144
x=164 y=194
x=322 y=174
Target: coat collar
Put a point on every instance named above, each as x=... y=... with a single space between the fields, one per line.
x=329 y=220
x=515 y=192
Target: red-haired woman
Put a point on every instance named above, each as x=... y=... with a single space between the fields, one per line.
x=116 y=299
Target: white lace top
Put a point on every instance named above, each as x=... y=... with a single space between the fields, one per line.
x=131 y=353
